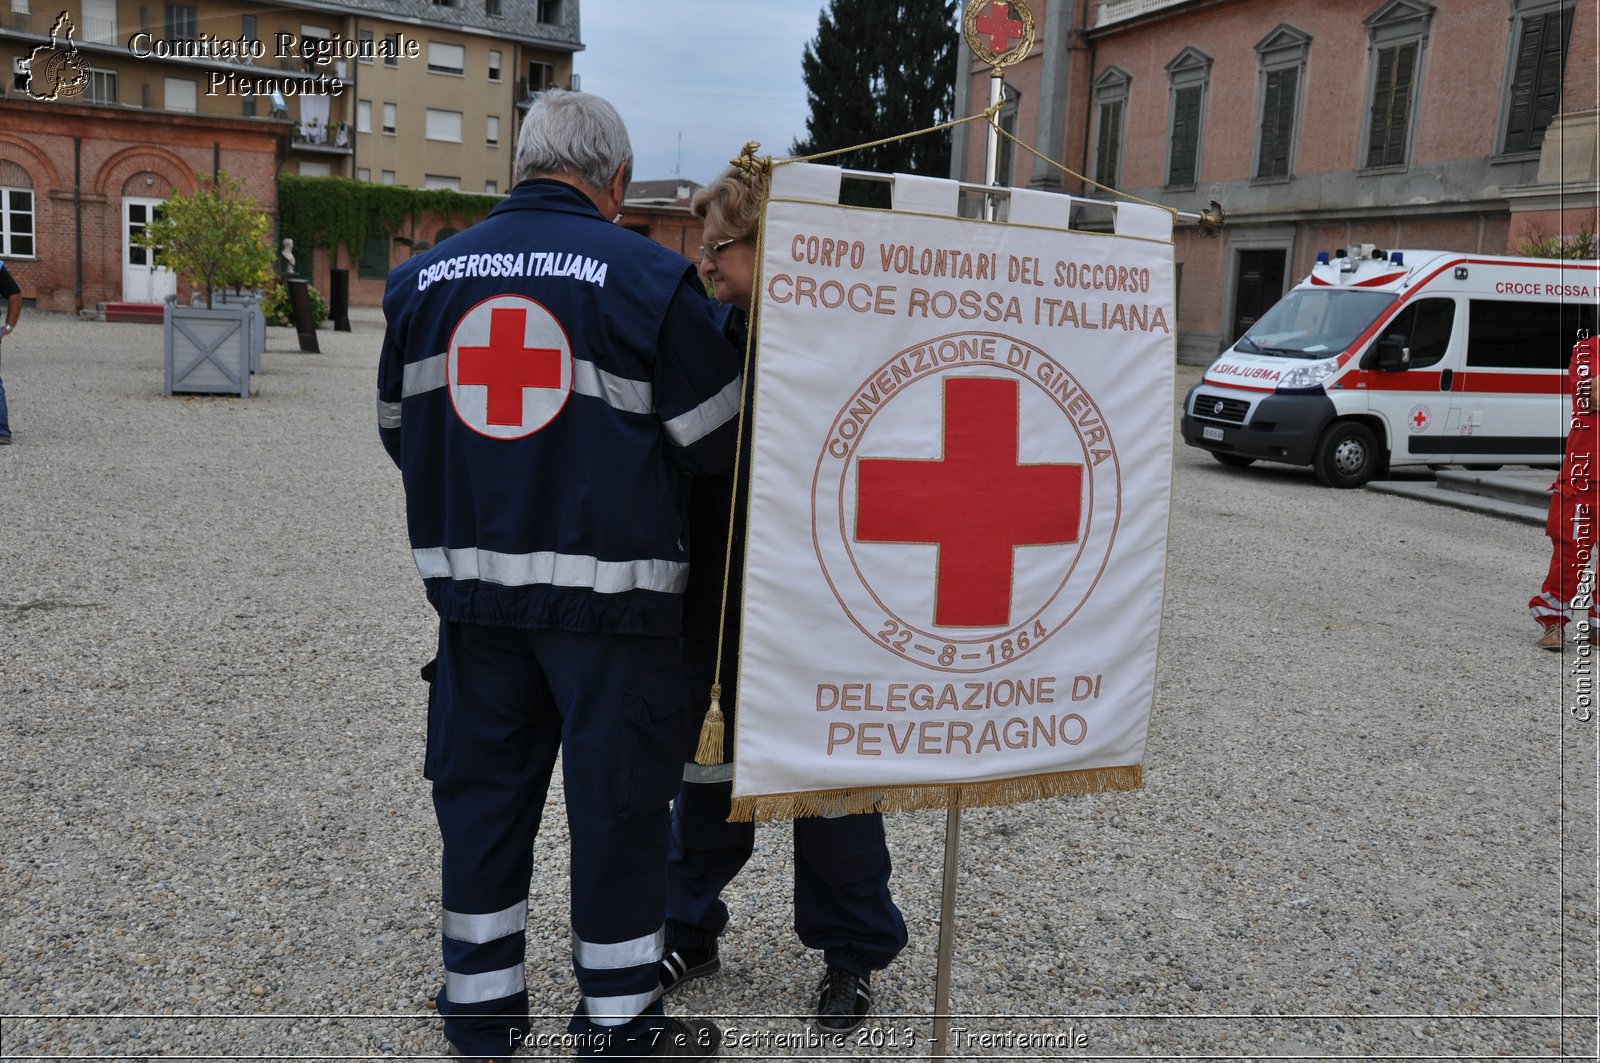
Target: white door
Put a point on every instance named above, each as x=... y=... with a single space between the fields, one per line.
x=142 y=280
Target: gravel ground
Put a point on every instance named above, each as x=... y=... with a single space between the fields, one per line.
x=1368 y=827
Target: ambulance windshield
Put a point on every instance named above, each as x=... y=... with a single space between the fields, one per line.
x=1314 y=322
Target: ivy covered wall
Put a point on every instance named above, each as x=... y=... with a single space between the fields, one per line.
x=348 y=220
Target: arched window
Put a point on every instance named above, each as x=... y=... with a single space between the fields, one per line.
x=16 y=211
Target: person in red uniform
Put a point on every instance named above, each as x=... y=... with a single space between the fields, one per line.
x=1568 y=589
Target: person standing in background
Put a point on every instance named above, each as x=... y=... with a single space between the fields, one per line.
x=12 y=291
x=842 y=903
x=1568 y=589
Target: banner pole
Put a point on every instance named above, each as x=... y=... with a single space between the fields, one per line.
x=991 y=163
x=947 y=926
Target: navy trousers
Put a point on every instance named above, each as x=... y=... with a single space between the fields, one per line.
x=503 y=703
x=842 y=904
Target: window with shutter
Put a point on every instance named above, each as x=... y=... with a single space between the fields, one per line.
x=1391 y=105
x=1283 y=54
x=1108 y=151
x=1190 y=74
x=1535 y=93
x=1185 y=136
x=1111 y=93
x=1277 y=122
x=375 y=252
x=1398 y=38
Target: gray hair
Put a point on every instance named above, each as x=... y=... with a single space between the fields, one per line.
x=573 y=134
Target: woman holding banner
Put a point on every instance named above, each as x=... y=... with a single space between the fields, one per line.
x=841 y=876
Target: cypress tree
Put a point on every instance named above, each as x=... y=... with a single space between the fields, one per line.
x=878 y=68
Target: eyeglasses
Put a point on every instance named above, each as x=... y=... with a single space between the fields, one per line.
x=711 y=251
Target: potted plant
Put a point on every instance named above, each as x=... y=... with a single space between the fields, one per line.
x=213 y=237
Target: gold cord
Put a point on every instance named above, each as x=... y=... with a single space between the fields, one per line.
x=709 y=749
x=985 y=114
x=1073 y=173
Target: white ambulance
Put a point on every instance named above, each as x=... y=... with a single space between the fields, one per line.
x=1393 y=358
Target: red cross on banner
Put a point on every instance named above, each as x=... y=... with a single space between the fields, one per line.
x=1000 y=26
x=977 y=503
x=507 y=365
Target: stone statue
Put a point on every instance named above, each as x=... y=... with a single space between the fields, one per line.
x=288 y=255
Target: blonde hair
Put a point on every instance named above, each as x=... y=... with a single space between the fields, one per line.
x=732 y=203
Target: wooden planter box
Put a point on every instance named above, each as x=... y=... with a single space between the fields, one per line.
x=251 y=301
x=209 y=351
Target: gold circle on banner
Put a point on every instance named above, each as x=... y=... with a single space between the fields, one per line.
x=991 y=26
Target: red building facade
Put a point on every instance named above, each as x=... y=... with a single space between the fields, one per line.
x=77 y=181
x=1464 y=125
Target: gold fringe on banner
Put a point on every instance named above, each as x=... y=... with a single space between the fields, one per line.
x=762 y=807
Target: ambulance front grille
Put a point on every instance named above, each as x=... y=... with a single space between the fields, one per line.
x=1215 y=408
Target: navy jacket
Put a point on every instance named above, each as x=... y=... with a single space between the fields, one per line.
x=546 y=379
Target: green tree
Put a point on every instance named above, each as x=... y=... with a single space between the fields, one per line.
x=215 y=236
x=878 y=68
x=1540 y=244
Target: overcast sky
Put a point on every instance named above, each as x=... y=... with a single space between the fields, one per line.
x=716 y=72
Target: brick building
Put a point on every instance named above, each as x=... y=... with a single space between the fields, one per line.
x=1464 y=125
x=424 y=93
x=77 y=183
x=660 y=210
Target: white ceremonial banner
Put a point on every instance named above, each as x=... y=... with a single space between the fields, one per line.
x=961 y=471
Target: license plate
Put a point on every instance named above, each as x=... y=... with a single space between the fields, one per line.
x=1212 y=433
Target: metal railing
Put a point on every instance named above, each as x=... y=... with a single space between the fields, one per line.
x=1121 y=10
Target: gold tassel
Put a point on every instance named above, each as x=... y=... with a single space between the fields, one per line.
x=710 y=749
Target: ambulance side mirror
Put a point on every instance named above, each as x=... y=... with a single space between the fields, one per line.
x=1393 y=354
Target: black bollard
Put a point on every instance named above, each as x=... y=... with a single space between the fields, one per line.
x=339 y=299
x=304 y=323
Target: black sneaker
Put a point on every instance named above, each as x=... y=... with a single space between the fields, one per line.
x=843 y=1000
x=680 y=965
x=689 y=1038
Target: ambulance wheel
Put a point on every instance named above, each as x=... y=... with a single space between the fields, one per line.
x=1238 y=461
x=1347 y=456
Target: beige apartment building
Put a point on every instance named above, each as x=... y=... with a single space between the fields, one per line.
x=424 y=93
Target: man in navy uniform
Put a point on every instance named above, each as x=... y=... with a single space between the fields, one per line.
x=546 y=379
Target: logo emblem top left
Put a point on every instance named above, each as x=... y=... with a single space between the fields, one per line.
x=58 y=70
x=509 y=367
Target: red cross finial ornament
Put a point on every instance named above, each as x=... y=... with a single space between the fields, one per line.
x=999 y=32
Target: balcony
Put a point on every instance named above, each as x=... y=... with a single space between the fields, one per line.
x=320 y=140
x=528 y=88
x=1114 y=11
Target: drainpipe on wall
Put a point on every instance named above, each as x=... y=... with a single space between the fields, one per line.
x=216 y=162
x=77 y=211
x=1088 y=118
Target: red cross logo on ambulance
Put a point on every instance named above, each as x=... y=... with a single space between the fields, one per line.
x=509 y=367
x=1419 y=419
x=966 y=501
